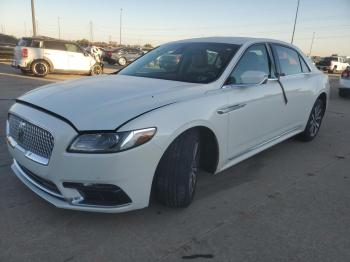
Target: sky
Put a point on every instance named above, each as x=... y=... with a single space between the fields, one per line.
x=157 y=21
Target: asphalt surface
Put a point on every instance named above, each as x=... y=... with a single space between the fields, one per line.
x=288 y=203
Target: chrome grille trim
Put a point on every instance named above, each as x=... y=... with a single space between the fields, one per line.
x=35 y=142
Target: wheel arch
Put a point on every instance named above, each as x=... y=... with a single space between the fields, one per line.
x=51 y=68
x=209 y=145
x=209 y=152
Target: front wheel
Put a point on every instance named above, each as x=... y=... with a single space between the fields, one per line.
x=96 y=70
x=176 y=175
x=314 y=122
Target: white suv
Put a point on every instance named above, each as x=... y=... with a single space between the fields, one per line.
x=332 y=64
x=41 y=56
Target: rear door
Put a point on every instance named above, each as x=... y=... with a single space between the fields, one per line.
x=55 y=52
x=298 y=82
x=78 y=60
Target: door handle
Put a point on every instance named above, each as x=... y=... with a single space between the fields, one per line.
x=230 y=108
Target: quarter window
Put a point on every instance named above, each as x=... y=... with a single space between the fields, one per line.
x=253 y=66
x=288 y=60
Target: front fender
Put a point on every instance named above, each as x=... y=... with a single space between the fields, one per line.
x=174 y=119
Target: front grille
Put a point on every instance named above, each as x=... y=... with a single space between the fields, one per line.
x=41 y=181
x=31 y=137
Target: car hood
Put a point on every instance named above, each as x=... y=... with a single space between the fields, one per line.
x=107 y=102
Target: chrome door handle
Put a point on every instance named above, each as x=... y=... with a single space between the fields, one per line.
x=230 y=108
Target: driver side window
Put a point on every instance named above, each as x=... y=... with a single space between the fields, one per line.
x=253 y=66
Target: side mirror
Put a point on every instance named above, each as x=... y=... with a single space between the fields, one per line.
x=253 y=78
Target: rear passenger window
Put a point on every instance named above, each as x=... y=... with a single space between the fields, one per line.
x=304 y=66
x=35 y=43
x=55 y=45
x=288 y=60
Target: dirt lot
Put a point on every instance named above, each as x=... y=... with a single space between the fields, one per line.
x=289 y=203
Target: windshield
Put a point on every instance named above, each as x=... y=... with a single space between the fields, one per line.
x=186 y=62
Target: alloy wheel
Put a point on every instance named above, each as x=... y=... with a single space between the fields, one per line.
x=316 y=119
x=194 y=169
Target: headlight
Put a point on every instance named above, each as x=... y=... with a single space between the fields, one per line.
x=111 y=142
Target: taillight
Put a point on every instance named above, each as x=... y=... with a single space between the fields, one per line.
x=24 y=52
x=109 y=53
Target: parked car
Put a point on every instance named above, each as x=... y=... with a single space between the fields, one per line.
x=332 y=64
x=124 y=55
x=41 y=56
x=105 y=144
x=344 y=89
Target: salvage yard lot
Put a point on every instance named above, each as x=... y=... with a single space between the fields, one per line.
x=289 y=203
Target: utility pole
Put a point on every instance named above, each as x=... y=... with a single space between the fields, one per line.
x=91 y=33
x=2 y=29
x=110 y=39
x=59 y=28
x=295 y=21
x=120 y=27
x=33 y=18
x=25 y=29
x=312 y=43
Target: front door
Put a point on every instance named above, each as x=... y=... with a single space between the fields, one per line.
x=78 y=60
x=256 y=102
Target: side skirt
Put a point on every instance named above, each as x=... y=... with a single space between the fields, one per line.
x=260 y=147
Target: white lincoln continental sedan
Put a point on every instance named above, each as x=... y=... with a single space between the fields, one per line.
x=105 y=143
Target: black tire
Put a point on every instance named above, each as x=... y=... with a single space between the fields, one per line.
x=40 y=68
x=96 y=69
x=176 y=175
x=314 y=122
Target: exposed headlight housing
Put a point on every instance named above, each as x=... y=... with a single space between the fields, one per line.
x=111 y=142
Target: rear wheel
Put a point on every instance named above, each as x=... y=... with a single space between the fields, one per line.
x=40 y=68
x=176 y=175
x=314 y=122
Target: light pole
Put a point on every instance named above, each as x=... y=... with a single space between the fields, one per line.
x=59 y=28
x=295 y=21
x=312 y=43
x=120 y=27
x=33 y=18
x=91 y=33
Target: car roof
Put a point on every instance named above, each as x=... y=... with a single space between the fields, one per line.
x=44 y=38
x=231 y=40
